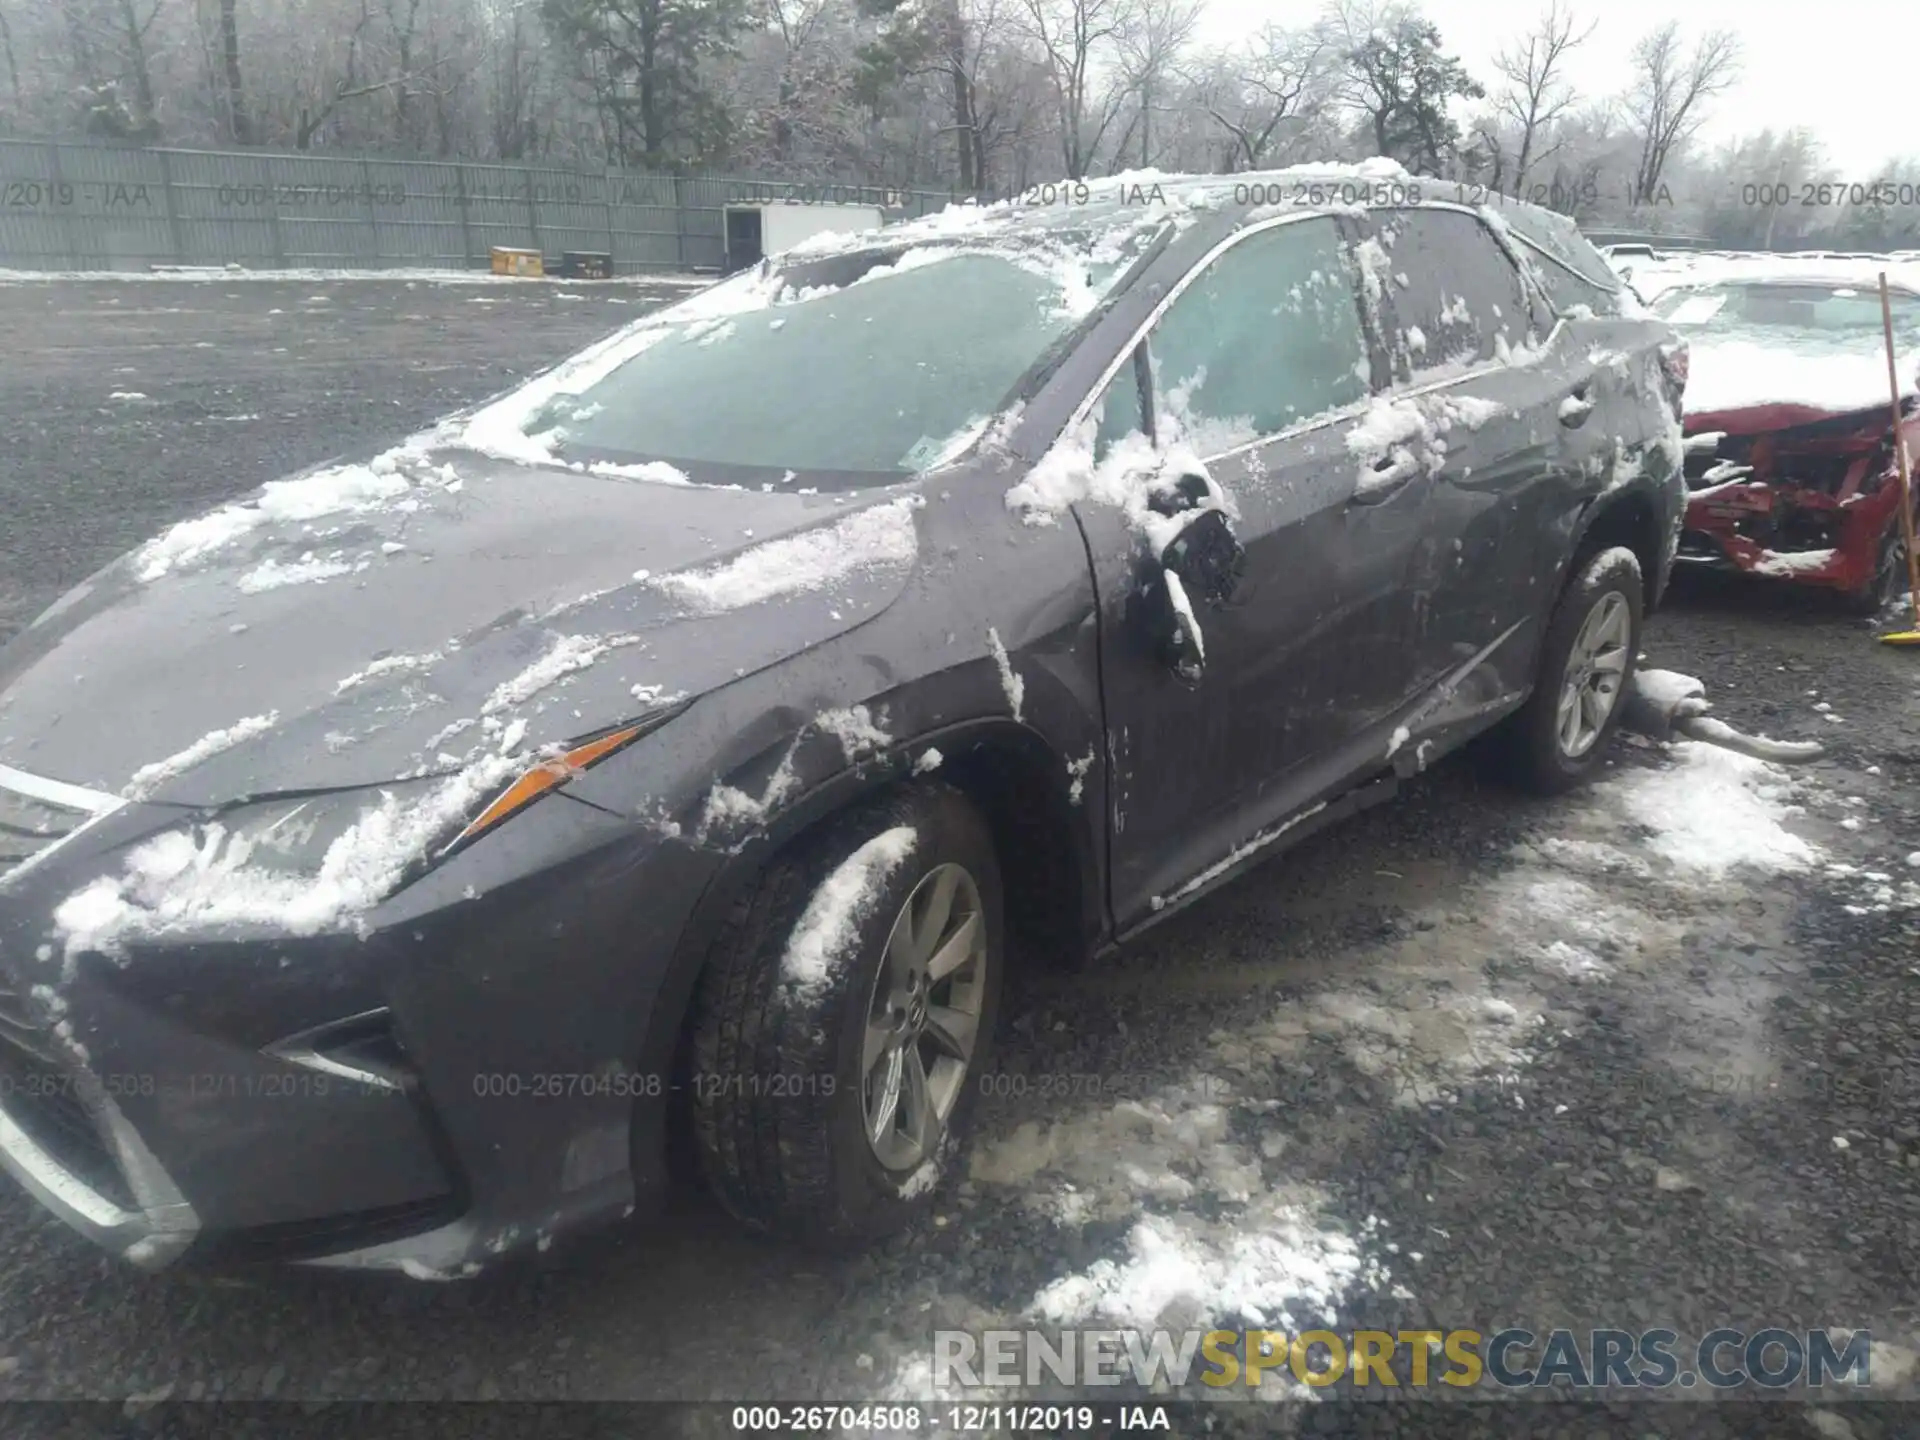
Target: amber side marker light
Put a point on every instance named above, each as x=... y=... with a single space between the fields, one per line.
x=544 y=776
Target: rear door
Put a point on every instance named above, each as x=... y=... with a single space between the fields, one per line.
x=1257 y=373
x=1508 y=417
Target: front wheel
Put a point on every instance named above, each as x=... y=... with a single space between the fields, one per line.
x=1887 y=582
x=1557 y=738
x=843 y=1021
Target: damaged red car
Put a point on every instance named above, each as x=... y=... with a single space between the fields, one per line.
x=1790 y=463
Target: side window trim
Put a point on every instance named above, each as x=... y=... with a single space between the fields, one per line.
x=1143 y=386
x=1354 y=231
x=1096 y=394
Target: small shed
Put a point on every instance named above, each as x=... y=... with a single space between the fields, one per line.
x=755 y=231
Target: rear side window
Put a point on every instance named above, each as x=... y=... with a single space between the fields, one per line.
x=1457 y=298
x=1266 y=337
x=1567 y=290
x=1582 y=276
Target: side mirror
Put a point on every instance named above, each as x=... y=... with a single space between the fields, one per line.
x=1207 y=558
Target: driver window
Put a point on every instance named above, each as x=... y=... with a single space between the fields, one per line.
x=1266 y=337
x=1119 y=412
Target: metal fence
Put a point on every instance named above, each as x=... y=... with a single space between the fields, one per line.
x=73 y=206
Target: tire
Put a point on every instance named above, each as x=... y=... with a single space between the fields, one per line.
x=1605 y=589
x=1887 y=582
x=783 y=1105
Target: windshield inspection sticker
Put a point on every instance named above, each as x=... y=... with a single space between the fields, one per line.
x=1697 y=309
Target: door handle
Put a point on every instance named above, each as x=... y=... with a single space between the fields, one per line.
x=1575 y=409
x=1384 y=479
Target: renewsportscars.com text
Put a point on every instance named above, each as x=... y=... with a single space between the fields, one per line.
x=1513 y=1359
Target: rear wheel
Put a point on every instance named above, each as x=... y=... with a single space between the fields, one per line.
x=1558 y=737
x=844 y=1018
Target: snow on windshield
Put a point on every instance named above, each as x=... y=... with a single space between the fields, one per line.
x=843 y=359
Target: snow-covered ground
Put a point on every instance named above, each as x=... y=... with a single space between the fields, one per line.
x=1220 y=1228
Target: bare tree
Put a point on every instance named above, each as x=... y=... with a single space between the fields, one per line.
x=1403 y=85
x=1669 y=100
x=231 y=95
x=1535 y=95
x=1280 y=69
x=1150 y=42
x=13 y=62
x=1075 y=38
x=513 y=73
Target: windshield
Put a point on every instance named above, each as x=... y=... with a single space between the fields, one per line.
x=1841 y=314
x=849 y=370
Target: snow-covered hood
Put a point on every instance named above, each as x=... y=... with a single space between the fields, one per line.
x=359 y=624
x=1732 y=375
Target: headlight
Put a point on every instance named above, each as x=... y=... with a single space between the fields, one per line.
x=310 y=863
x=296 y=866
x=295 y=836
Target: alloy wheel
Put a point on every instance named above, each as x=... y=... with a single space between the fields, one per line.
x=1596 y=666
x=923 y=1018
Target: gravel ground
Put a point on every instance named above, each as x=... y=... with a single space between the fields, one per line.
x=1522 y=1069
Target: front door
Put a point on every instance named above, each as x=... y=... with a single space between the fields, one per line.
x=1258 y=376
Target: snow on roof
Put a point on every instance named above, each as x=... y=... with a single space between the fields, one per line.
x=1137 y=197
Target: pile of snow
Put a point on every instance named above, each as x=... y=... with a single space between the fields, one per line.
x=309 y=569
x=1734 y=374
x=344 y=489
x=149 y=778
x=879 y=537
x=1012 y=684
x=565 y=655
x=1281 y=1270
x=1127 y=479
x=1712 y=811
x=855 y=729
x=390 y=665
x=818 y=945
x=1399 y=437
x=1212 y=1239
x=1792 y=562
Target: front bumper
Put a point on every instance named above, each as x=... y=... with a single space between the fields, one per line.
x=1707 y=544
x=100 y=1177
x=151 y=1101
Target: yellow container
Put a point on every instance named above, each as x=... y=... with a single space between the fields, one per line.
x=509 y=261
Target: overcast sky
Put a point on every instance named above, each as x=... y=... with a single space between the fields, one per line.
x=1802 y=64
